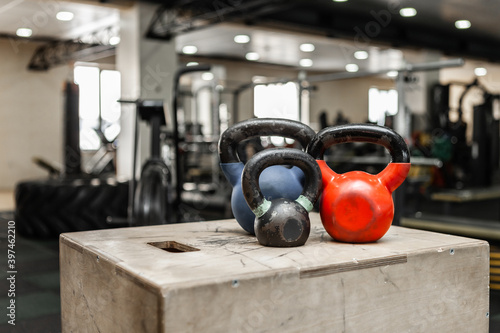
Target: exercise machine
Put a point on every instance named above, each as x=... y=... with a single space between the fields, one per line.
x=149 y=199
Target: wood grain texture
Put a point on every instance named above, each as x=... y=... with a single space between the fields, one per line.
x=409 y=281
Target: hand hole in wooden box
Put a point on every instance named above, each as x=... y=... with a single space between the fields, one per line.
x=173 y=247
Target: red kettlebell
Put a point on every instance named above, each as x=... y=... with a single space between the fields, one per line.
x=357 y=207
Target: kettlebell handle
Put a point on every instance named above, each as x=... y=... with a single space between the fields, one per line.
x=230 y=139
x=280 y=156
x=369 y=133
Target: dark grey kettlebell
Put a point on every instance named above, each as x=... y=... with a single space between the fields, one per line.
x=281 y=222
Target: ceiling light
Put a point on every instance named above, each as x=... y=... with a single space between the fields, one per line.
x=361 y=55
x=351 y=68
x=24 y=32
x=115 y=40
x=462 y=24
x=192 y=63
x=307 y=47
x=480 y=71
x=253 y=56
x=65 y=16
x=207 y=76
x=408 y=12
x=392 y=73
x=339 y=0
x=306 y=62
x=189 y=49
x=241 y=39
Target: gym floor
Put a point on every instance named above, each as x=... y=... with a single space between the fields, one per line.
x=37 y=285
x=37 y=298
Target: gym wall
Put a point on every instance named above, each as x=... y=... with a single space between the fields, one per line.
x=31 y=114
x=31 y=104
x=350 y=96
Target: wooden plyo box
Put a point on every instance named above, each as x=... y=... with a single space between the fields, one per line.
x=213 y=277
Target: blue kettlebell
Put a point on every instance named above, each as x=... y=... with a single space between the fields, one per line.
x=276 y=181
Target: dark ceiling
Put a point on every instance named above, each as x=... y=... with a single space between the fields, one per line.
x=361 y=21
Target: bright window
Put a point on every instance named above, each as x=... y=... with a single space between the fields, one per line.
x=277 y=101
x=381 y=103
x=99 y=109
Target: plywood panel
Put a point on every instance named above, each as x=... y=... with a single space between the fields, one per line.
x=97 y=297
x=410 y=280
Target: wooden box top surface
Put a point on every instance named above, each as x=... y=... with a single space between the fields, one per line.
x=227 y=253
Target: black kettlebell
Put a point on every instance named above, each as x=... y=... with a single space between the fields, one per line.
x=281 y=222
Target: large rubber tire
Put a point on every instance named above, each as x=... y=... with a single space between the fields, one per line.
x=47 y=208
x=151 y=202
